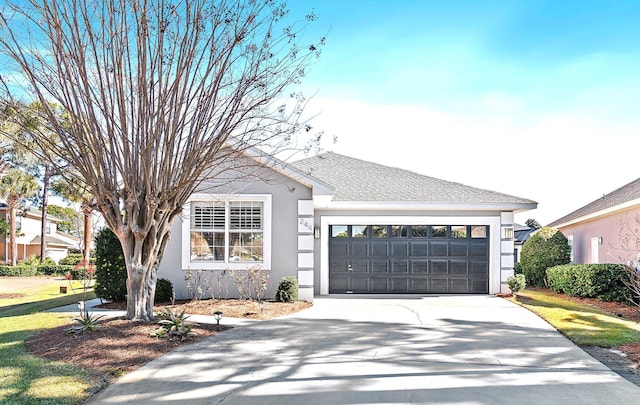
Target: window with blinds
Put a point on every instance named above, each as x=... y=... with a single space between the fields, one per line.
x=227 y=232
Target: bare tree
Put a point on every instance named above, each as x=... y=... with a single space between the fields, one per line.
x=158 y=97
x=76 y=192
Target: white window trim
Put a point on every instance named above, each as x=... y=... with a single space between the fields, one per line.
x=492 y=222
x=186 y=232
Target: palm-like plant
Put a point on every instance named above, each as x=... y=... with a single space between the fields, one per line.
x=16 y=185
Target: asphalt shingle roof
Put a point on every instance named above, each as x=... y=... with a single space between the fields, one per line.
x=622 y=195
x=357 y=180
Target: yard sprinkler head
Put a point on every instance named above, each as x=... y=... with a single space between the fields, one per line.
x=218 y=316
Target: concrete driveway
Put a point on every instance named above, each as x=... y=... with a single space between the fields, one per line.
x=431 y=350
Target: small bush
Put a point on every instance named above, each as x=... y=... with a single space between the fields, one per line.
x=18 y=271
x=54 y=269
x=111 y=270
x=516 y=283
x=164 y=290
x=34 y=260
x=287 y=290
x=602 y=281
x=517 y=268
x=546 y=248
x=71 y=259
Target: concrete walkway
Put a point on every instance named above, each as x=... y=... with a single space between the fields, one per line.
x=432 y=350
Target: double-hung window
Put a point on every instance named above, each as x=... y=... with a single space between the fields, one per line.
x=227 y=232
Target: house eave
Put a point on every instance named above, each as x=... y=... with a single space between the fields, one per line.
x=601 y=213
x=419 y=206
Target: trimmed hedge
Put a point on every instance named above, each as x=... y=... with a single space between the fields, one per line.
x=75 y=258
x=603 y=281
x=54 y=269
x=18 y=271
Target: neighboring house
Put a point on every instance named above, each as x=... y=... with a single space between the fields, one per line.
x=607 y=229
x=28 y=240
x=522 y=234
x=348 y=226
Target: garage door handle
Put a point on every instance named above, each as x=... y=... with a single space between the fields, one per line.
x=349 y=268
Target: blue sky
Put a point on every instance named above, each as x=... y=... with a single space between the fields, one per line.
x=540 y=99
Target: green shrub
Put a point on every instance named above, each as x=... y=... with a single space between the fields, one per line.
x=54 y=269
x=517 y=268
x=34 y=260
x=287 y=290
x=71 y=259
x=602 y=281
x=18 y=271
x=74 y=259
x=516 y=283
x=164 y=290
x=546 y=248
x=111 y=270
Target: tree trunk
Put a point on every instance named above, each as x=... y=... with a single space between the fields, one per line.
x=87 y=212
x=12 y=232
x=45 y=202
x=142 y=254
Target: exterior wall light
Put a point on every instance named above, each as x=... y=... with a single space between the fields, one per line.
x=507 y=233
x=218 y=316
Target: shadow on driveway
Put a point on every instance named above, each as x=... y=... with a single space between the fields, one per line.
x=484 y=352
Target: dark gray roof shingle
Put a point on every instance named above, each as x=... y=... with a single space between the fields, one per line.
x=357 y=180
x=622 y=195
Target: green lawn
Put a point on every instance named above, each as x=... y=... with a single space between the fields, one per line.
x=27 y=379
x=582 y=324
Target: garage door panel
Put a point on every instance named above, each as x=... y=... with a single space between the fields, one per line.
x=459 y=285
x=379 y=249
x=458 y=267
x=419 y=248
x=477 y=249
x=439 y=285
x=439 y=267
x=398 y=285
x=360 y=248
x=359 y=284
x=478 y=267
x=338 y=283
x=360 y=266
x=400 y=249
x=440 y=248
x=478 y=285
x=419 y=266
x=419 y=284
x=380 y=266
x=379 y=285
x=458 y=249
x=340 y=249
x=400 y=267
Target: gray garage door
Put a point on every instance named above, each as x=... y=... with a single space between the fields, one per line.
x=409 y=259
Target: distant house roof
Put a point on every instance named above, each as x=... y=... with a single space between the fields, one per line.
x=356 y=180
x=626 y=194
x=51 y=241
x=31 y=211
x=522 y=233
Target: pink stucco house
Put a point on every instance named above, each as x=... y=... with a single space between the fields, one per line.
x=606 y=230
